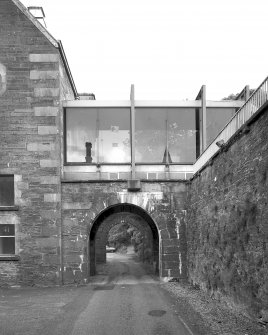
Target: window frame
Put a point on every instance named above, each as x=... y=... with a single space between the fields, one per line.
x=193 y=109
x=97 y=164
x=7 y=209
x=12 y=207
x=9 y=236
x=133 y=104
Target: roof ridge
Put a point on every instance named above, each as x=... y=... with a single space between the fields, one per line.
x=56 y=43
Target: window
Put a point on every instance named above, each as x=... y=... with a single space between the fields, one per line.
x=7 y=239
x=182 y=135
x=81 y=131
x=165 y=135
x=217 y=118
x=6 y=190
x=98 y=135
x=114 y=135
x=150 y=136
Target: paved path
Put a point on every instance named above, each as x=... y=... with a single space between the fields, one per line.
x=122 y=300
x=129 y=302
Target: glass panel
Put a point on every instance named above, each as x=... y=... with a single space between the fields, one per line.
x=150 y=135
x=165 y=135
x=217 y=118
x=7 y=229
x=7 y=245
x=114 y=135
x=6 y=190
x=181 y=135
x=98 y=135
x=81 y=135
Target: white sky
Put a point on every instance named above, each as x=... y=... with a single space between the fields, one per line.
x=168 y=49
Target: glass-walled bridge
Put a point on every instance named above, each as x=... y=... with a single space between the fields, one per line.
x=145 y=140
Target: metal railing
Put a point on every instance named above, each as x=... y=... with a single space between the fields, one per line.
x=258 y=98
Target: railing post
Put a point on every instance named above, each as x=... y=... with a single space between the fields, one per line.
x=203 y=118
x=247 y=93
x=132 y=118
x=202 y=122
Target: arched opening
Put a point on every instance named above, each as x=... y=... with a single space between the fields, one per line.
x=132 y=215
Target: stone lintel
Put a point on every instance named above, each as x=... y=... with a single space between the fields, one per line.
x=37 y=146
x=46 y=92
x=50 y=214
x=49 y=163
x=46 y=111
x=44 y=58
x=76 y=205
x=52 y=197
x=43 y=75
x=47 y=130
x=49 y=180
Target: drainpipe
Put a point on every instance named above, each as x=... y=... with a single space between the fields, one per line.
x=61 y=244
x=60 y=228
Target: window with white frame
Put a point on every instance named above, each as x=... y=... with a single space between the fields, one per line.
x=7 y=239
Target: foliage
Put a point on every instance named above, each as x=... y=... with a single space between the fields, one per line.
x=124 y=234
x=233 y=96
x=119 y=235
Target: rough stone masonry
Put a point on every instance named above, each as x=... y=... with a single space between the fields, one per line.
x=212 y=230
x=227 y=221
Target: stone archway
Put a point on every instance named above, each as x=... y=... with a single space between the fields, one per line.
x=86 y=205
x=133 y=220
x=101 y=226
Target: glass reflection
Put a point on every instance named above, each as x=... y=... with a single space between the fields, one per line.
x=217 y=118
x=98 y=135
x=165 y=135
x=114 y=135
x=150 y=135
x=182 y=135
x=81 y=128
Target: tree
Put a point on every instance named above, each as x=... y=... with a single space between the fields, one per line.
x=233 y=96
x=124 y=234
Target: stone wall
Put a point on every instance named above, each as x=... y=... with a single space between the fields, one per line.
x=227 y=221
x=83 y=202
x=30 y=119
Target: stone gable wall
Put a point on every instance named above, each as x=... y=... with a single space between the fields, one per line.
x=30 y=119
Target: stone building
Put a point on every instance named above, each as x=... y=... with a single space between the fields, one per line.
x=194 y=186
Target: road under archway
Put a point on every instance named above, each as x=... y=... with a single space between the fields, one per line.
x=108 y=218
